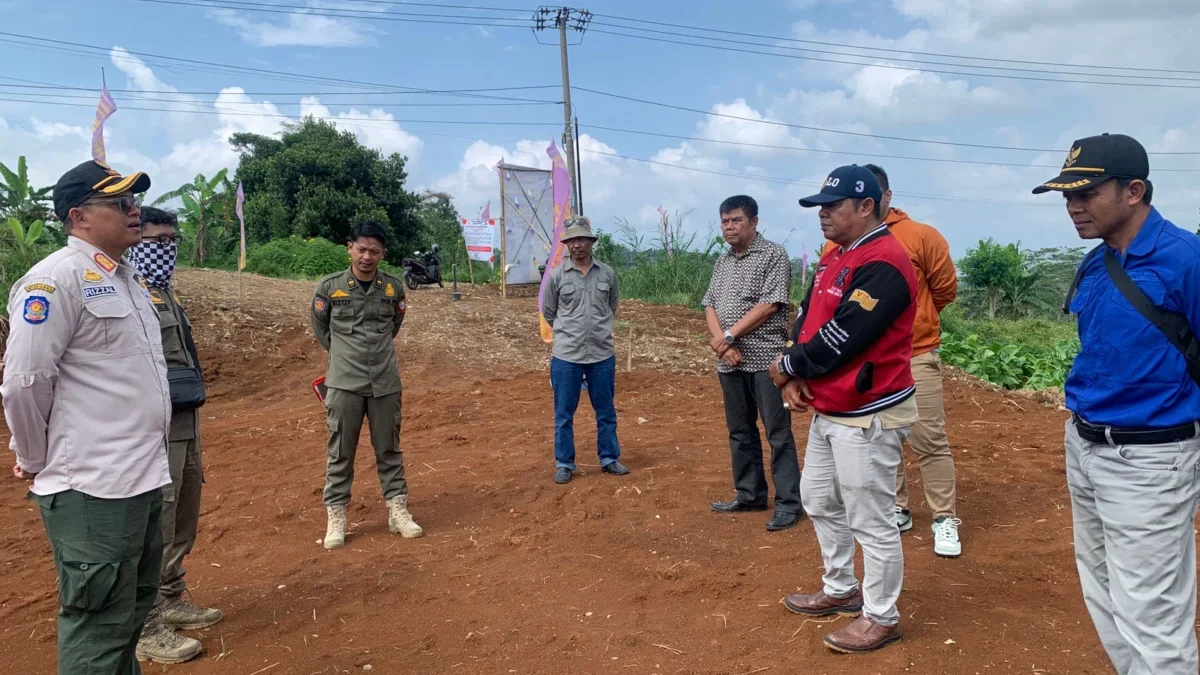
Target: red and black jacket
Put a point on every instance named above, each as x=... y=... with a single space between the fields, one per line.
x=853 y=335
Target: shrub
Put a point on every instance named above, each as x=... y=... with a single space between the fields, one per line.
x=296 y=257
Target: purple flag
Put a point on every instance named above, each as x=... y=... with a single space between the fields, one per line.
x=241 y=199
x=486 y=214
x=104 y=109
x=562 y=210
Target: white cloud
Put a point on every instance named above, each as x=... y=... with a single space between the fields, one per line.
x=376 y=129
x=731 y=130
x=297 y=30
x=51 y=130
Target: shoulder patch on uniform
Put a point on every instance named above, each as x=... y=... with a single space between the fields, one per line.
x=92 y=276
x=390 y=290
x=37 y=309
x=92 y=292
x=157 y=298
x=319 y=304
x=105 y=262
x=401 y=307
x=45 y=288
x=863 y=298
x=339 y=293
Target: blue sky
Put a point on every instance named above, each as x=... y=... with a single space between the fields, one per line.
x=876 y=96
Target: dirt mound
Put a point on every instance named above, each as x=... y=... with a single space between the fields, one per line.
x=516 y=574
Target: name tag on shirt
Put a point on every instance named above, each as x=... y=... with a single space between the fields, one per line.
x=92 y=292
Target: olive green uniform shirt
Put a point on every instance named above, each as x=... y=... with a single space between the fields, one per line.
x=357 y=326
x=173 y=324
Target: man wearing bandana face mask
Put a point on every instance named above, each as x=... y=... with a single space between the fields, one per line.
x=154 y=258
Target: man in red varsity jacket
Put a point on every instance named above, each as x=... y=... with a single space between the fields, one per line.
x=849 y=359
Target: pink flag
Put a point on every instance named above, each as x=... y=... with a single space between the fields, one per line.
x=104 y=109
x=241 y=199
x=562 y=210
x=486 y=214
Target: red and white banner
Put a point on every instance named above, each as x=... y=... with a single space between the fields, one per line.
x=480 y=238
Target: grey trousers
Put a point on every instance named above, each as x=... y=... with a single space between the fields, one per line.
x=180 y=515
x=849 y=489
x=344 y=413
x=748 y=396
x=1134 y=511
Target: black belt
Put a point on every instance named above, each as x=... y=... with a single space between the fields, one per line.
x=1123 y=436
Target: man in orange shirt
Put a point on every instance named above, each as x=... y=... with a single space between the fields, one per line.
x=937 y=286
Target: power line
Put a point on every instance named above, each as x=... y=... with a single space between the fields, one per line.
x=793 y=181
x=723 y=31
x=843 y=152
x=835 y=131
x=911 y=60
x=340 y=14
x=61 y=46
x=372 y=104
x=290 y=117
x=727 y=48
x=354 y=92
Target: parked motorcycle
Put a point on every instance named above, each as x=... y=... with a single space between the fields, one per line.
x=423 y=268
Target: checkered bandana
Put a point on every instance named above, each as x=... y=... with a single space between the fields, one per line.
x=154 y=261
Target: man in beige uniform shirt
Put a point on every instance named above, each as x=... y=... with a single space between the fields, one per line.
x=86 y=399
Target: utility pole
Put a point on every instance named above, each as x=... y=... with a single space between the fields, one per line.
x=577 y=20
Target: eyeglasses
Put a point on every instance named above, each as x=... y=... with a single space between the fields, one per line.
x=165 y=239
x=124 y=204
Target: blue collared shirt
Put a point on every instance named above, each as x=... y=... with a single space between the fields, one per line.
x=1127 y=374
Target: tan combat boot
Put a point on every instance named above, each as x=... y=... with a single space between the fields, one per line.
x=180 y=614
x=163 y=645
x=335 y=529
x=400 y=520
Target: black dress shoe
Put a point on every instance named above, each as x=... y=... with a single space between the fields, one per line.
x=615 y=468
x=783 y=520
x=736 y=507
x=562 y=476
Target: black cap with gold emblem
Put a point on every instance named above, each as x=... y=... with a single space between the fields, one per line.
x=90 y=179
x=1095 y=159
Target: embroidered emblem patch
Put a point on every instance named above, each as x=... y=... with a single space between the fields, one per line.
x=92 y=277
x=319 y=305
x=840 y=281
x=45 y=288
x=37 y=309
x=105 y=262
x=390 y=291
x=863 y=298
x=339 y=293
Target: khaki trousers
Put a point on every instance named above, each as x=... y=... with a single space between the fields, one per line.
x=928 y=440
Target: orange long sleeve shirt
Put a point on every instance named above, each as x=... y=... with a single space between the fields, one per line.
x=937 y=280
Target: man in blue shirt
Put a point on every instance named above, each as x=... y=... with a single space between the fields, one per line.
x=1132 y=450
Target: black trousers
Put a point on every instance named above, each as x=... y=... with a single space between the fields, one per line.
x=748 y=396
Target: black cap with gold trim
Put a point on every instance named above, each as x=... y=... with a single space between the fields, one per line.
x=90 y=179
x=1095 y=159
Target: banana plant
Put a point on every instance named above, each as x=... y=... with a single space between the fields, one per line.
x=18 y=197
x=203 y=207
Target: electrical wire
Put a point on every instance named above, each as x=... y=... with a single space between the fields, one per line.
x=403 y=17
x=859 y=134
x=875 y=155
x=723 y=31
x=727 y=48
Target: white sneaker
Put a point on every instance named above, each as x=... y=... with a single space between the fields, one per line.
x=945 y=537
x=903 y=519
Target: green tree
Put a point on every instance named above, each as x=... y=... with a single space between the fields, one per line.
x=19 y=199
x=205 y=206
x=315 y=181
x=992 y=267
x=439 y=221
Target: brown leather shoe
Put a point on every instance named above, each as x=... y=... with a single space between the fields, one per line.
x=863 y=635
x=819 y=604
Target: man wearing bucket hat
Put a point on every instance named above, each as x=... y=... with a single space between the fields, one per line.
x=581 y=306
x=1132 y=445
x=850 y=360
x=86 y=399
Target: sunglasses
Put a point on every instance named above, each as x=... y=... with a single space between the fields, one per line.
x=165 y=239
x=124 y=204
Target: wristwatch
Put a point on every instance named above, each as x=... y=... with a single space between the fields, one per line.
x=728 y=338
